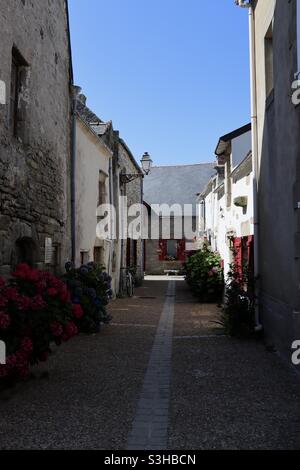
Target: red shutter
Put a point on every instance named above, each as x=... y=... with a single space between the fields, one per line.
x=250 y=246
x=181 y=250
x=238 y=256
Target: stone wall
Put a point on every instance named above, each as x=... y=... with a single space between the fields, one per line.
x=133 y=192
x=35 y=160
x=155 y=266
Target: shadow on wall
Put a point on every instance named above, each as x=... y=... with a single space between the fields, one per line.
x=26 y=252
x=279 y=182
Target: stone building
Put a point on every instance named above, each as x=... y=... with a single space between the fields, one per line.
x=170 y=195
x=129 y=185
x=275 y=65
x=35 y=135
x=123 y=187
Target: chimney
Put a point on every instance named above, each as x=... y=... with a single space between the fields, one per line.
x=82 y=98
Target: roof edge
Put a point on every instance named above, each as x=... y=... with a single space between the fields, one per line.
x=230 y=136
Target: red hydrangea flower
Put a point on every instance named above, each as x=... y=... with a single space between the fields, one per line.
x=26 y=345
x=41 y=287
x=24 y=303
x=52 y=292
x=11 y=293
x=3 y=301
x=22 y=271
x=77 y=311
x=33 y=275
x=70 y=330
x=65 y=294
x=38 y=303
x=56 y=329
x=4 y=321
x=56 y=283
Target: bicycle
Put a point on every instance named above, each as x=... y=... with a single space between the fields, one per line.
x=129 y=282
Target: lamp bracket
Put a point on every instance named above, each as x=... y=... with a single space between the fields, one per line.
x=128 y=178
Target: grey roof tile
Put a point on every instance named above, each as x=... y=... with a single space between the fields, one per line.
x=177 y=184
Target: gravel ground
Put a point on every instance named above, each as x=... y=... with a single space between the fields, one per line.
x=90 y=398
x=228 y=394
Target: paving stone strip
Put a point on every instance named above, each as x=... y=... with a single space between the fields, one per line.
x=150 y=425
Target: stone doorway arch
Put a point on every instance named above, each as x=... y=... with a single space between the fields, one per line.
x=26 y=251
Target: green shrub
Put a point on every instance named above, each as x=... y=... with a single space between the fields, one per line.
x=204 y=275
x=238 y=311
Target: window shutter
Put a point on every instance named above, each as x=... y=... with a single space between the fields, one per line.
x=293 y=22
x=250 y=245
x=162 y=245
x=181 y=251
x=238 y=256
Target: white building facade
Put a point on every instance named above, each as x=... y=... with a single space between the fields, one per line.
x=226 y=204
x=93 y=169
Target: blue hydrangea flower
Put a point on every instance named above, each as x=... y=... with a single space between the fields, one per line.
x=69 y=266
x=83 y=269
x=92 y=293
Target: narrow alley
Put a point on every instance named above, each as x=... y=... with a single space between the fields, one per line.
x=161 y=376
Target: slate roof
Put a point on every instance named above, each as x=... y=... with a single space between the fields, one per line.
x=177 y=184
x=86 y=114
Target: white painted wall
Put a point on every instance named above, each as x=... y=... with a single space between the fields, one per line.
x=264 y=14
x=240 y=148
x=92 y=157
x=221 y=221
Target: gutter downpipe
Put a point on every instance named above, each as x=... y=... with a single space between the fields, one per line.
x=142 y=237
x=112 y=203
x=75 y=92
x=258 y=325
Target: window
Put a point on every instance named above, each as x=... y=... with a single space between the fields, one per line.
x=18 y=78
x=101 y=193
x=269 y=70
x=14 y=96
x=101 y=196
x=2 y=92
x=84 y=257
x=171 y=249
x=98 y=255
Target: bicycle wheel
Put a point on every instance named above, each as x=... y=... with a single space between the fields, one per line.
x=129 y=285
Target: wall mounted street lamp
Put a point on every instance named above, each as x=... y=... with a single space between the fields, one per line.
x=146 y=163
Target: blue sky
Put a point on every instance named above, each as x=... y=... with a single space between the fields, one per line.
x=173 y=76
